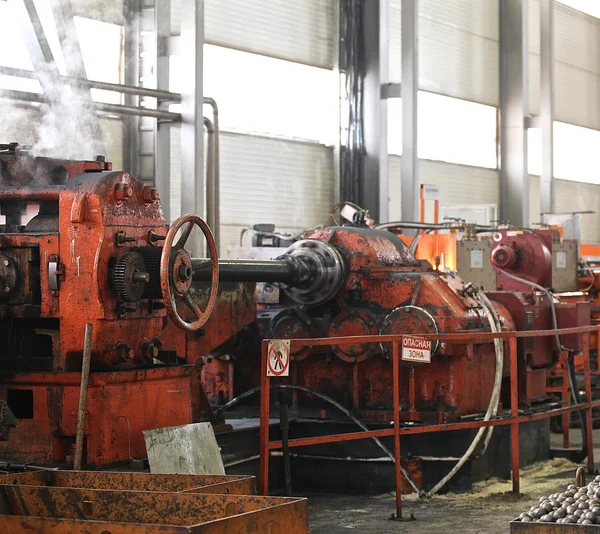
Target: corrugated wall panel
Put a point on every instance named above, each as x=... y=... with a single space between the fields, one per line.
x=577 y=96
x=304 y=32
x=287 y=183
x=395 y=39
x=577 y=196
x=460 y=184
x=457 y=63
x=458 y=48
x=576 y=65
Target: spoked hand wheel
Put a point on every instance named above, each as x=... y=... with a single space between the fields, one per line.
x=176 y=272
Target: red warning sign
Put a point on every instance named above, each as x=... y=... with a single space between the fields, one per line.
x=278 y=357
x=416 y=349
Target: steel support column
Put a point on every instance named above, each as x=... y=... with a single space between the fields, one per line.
x=192 y=102
x=131 y=14
x=547 y=186
x=514 y=178
x=162 y=140
x=410 y=180
x=375 y=182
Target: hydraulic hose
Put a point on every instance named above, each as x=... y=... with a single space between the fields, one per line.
x=495 y=397
x=430 y=226
x=333 y=402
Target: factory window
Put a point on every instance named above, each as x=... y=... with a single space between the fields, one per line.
x=449 y=129
x=259 y=94
x=576 y=157
x=100 y=43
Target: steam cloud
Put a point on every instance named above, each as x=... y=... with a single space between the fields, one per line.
x=65 y=126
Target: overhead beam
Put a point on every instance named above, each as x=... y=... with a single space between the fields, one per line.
x=514 y=177
x=410 y=179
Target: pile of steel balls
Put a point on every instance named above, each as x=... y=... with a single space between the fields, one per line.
x=574 y=506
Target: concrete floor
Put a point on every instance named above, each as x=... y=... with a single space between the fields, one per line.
x=488 y=509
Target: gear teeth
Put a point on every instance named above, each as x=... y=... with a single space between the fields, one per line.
x=151 y=257
x=126 y=289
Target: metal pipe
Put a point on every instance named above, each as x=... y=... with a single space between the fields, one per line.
x=95 y=84
x=138 y=111
x=117 y=109
x=83 y=393
x=24 y=193
x=210 y=177
x=217 y=171
x=245 y=270
x=431 y=226
x=285 y=427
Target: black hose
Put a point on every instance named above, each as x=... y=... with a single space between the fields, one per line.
x=331 y=401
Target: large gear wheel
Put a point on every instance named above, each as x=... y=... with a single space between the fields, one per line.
x=129 y=277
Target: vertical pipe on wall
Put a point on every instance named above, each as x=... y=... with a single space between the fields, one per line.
x=162 y=139
x=192 y=124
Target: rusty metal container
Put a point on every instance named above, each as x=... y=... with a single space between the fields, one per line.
x=26 y=509
x=552 y=528
x=122 y=481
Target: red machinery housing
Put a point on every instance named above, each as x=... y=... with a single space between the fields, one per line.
x=367 y=282
x=83 y=244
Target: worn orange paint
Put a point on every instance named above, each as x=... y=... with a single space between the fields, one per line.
x=89 y=217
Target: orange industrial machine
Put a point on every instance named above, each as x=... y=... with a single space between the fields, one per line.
x=365 y=281
x=82 y=244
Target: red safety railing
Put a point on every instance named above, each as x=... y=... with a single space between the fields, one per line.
x=468 y=337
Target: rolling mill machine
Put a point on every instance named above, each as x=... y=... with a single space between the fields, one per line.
x=174 y=334
x=82 y=244
x=362 y=280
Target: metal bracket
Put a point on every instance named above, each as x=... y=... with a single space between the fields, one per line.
x=56 y=272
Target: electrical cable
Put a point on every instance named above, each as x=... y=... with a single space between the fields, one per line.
x=494 y=399
x=331 y=401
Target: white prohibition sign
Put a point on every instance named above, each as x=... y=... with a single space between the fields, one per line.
x=278 y=357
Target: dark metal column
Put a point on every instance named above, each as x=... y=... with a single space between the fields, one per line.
x=514 y=178
x=410 y=180
x=547 y=185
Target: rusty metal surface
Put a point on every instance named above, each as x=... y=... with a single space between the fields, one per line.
x=120 y=406
x=174 y=258
x=217 y=484
x=552 y=528
x=196 y=512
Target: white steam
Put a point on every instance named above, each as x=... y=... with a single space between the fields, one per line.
x=65 y=126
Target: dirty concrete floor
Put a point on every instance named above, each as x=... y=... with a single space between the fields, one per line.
x=488 y=509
